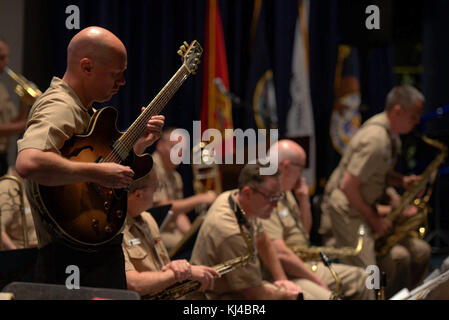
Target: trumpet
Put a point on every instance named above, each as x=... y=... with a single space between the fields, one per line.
x=24 y=87
x=306 y=253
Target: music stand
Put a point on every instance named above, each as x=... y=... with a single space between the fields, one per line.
x=435 y=289
x=161 y=214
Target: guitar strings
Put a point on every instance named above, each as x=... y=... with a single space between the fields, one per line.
x=139 y=126
x=159 y=103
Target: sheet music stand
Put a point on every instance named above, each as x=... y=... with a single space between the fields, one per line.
x=435 y=289
x=161 y=214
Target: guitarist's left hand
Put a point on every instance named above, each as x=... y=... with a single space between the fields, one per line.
x=151 y=134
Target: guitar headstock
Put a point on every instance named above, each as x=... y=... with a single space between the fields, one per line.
x=191 y=55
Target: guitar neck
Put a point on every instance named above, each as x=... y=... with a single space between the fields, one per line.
x=128 y=139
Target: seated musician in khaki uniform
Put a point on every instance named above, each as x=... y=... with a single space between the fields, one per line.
x=11 y=214
x=12 y=122
x=358 y=186
x=172 y=193
x=290 y=225
x=232 y=229
x=147 y=264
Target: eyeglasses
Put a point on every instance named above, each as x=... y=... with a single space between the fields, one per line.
x=270 y=198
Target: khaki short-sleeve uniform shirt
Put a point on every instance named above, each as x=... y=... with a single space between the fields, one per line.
x=11 y=213
x=171 y=189
x=219 y=240
x=285 y=223
x=370 y=156
x=8 y=112
x=142 y=245
x=55 y=117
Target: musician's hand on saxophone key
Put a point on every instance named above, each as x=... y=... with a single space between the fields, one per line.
x=380 y=225
x=407 y=181
x=409 y=211
x=181 y=269
x=205 y=275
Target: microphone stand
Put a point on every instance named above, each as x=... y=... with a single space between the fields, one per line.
x=380 y=293
x=336 y=294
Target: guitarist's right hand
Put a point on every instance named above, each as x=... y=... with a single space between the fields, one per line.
x=113 y=175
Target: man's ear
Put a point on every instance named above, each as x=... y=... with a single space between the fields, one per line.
x=246 y=191
x=137 y=193
x=397 y=109
x=86 y=65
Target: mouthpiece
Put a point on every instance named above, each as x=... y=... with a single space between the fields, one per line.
x=325 y=259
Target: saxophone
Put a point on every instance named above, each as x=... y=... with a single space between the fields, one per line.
x=306 y=253
x=415 y=225
x=179 y=290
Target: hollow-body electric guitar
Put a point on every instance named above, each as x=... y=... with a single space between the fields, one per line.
x=86 y=214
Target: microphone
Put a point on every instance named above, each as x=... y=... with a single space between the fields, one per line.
x=220 y=86
x=325 y=259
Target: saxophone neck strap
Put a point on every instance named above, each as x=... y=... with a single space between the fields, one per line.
x=242 y=221
x=239 y=213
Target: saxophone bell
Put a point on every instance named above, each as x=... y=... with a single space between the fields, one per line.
x=306 y=253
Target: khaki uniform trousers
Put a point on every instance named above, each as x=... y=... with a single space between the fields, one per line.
x=352 y=281
x=406 y=264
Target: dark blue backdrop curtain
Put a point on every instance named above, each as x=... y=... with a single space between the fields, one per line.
x=153 y=30
x=436 y=90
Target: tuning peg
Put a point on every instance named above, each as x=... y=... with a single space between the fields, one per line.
x=186 y=44
x=180 y=53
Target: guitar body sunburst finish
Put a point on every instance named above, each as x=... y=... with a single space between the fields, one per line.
x=86 y=213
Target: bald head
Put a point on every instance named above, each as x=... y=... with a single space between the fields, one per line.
x=96 y=62
x=291 y=159
x=95 y=43
x=288 y=150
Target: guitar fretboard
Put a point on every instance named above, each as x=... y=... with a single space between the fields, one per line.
x=125 y=143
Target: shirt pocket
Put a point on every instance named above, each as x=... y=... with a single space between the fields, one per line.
x=136 y=252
